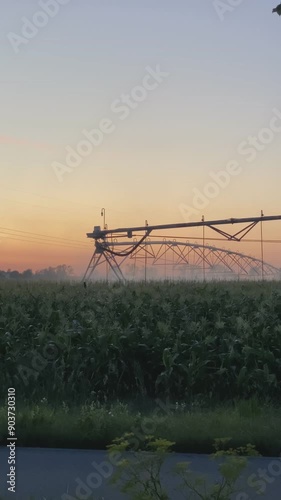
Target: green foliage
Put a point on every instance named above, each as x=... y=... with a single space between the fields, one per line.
x=181 y=340
x=94 y=425
x=230 y=468
x=139 y=473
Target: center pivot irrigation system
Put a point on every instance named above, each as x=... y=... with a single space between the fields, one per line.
x=108 y=243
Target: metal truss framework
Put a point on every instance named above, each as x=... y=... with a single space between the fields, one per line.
x=193 y=255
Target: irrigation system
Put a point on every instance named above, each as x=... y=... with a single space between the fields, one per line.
x=115 y=246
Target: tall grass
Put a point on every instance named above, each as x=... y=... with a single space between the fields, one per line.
x=193 y=430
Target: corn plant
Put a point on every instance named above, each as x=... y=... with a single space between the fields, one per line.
x=182 y=340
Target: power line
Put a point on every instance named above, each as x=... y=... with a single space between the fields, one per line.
x=44 y=243
x=36 y=238
x=49 y=237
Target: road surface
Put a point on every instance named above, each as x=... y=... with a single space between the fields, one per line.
x=56 y=474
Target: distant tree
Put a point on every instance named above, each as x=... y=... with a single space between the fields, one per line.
x=58 y=273
x=47 y=274
x=27 y=274
x=63 y=272
x=14 y=275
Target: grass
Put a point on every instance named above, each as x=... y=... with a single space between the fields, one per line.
x=192 y=430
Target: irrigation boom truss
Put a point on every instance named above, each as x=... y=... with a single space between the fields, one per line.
x=107 y=248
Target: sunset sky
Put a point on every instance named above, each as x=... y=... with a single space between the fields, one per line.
x=202 y=85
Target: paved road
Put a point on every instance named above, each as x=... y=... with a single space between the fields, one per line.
x=55 y=474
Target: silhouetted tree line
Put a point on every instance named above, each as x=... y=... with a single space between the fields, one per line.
x=58 y=273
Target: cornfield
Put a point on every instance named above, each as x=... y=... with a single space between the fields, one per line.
x=66 y=343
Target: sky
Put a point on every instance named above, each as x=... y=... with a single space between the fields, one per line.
x=174 y=95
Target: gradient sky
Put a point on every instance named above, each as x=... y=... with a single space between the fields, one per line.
x=223 y=84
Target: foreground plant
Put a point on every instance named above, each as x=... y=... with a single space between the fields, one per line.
x=233 y=464
x=139 y=473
